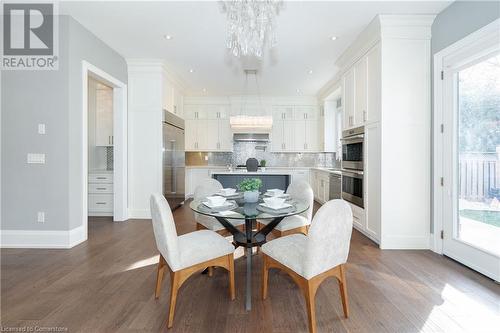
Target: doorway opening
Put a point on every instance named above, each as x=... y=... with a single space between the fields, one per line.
x=104 y=121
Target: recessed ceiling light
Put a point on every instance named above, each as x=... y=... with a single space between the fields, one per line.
x=310 y=71
x=191 y=70
x=168 y=37
x=333 y=37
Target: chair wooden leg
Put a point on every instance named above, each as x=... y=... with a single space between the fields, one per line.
x=343 y=291
x=159 y=275
x=310 y=293
x=174 y=277
x=230 y=259
x=265 y=277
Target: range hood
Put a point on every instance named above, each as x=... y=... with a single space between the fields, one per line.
x=251 y=137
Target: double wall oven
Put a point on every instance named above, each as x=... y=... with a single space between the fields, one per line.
x=352 y=165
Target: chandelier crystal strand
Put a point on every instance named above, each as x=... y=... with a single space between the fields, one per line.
x=250 y=23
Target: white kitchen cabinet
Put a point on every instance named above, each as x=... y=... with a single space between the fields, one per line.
x=195 y=176
x=283 y=132
x=100 y=194
x=304 y=112
x=371 y=178
x=360 y=90
x=320 y=183
x=300 y=175
x=207 y=128
x=358 y=217
x=191 y=135
x=173 y=99
x=374 y=84
x=103 y=117
x=348 y=96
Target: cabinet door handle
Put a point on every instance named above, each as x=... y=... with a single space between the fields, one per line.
x=100 y=203
x=112 y=139
x=101 y=188
x=364 y=115
x=101 y=177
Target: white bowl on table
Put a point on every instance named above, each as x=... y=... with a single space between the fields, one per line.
x=227 y=191
x=275 y=192
x=274 y=202
x=216 y=201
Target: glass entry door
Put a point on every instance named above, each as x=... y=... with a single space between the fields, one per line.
x=471 y=160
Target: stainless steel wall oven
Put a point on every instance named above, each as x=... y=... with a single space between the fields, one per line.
x=352 y=148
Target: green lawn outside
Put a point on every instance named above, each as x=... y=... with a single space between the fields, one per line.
x=488 y=217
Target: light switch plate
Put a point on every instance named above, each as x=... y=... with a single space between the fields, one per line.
x=41 y=128
x=41 y=217
x=36 y=158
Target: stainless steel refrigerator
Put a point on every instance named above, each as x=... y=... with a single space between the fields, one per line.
x=173 y=159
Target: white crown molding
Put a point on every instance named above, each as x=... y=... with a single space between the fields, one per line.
x=42 y=239
x=251 y=100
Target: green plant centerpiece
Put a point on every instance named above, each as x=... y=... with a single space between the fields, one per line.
x=250 y=188
x=263 y=165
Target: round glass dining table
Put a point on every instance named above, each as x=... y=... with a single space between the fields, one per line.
x=250 y=212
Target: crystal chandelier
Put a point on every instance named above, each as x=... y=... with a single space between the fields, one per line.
x=250 y=25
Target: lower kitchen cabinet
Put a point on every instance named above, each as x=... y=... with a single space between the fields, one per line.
x=320 y=183
x=100 y=194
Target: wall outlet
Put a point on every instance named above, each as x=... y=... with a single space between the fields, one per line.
x=41 y=217
x=41 y=128
x=36 y=158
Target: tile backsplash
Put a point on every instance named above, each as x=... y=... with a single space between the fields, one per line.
x=244 y=150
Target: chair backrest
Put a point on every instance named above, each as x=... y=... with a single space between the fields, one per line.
x=328 y=238
x=302 y=191
x=164 y=230
x=207 y=188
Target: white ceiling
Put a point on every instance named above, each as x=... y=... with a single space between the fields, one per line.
x=137 y=29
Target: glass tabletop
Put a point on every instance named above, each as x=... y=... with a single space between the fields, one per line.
x=239 y=209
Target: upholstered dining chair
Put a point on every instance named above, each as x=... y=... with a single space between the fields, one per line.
x=302 y=191
x=186 y=254
x=207 y=188
x=310 y=259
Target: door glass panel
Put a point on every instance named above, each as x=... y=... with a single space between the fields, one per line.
x=478 y=168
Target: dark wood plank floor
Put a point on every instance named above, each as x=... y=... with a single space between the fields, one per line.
x=106 y=285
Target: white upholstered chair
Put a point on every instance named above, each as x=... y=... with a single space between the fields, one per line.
x=311 y=259
x=302 y=191
x=207 y=188
x=186 y=254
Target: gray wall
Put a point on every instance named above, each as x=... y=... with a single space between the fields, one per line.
x=457 y=21
x=83 y=45
x=53 y=98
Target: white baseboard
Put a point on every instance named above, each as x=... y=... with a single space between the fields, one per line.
x=405 y=242
x=139 y=213
x=42 y=239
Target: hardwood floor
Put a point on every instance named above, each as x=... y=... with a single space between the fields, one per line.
x=107 y=284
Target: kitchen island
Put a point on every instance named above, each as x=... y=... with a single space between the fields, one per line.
x=270 y=179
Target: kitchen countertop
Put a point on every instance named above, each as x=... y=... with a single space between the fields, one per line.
x=336 y=171
x=244 y=172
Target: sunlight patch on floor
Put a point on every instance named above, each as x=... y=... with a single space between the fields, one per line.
x=469 y=314
x=143 y=263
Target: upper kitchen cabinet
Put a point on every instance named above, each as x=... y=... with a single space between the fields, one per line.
x=207 y=127
x=172 y=97
x=374 y=84
x=361 y=90
x=103 y=104
x=348 y=91
x=306 y=112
